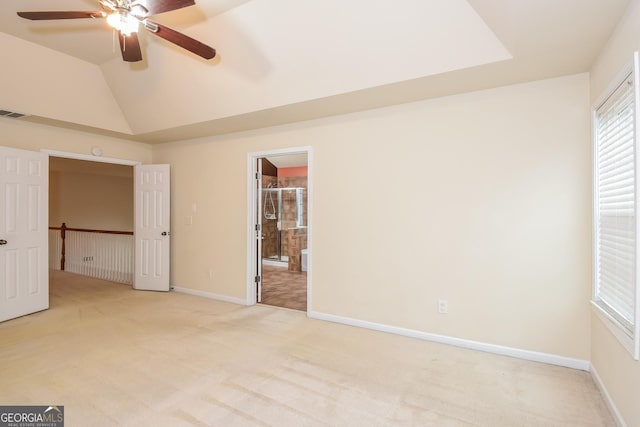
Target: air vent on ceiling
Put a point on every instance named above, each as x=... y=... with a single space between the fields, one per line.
x=11 y=114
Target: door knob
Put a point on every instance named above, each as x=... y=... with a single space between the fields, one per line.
x=3 y=242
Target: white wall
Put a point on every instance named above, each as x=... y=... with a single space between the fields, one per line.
x=19 y=133
x=40 y=81
x=31 y=136
x=477 y=198
x=620 y=374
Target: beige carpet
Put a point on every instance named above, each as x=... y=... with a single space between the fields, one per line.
x=113 y=356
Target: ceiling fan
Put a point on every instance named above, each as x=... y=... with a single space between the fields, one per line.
x=126 y=17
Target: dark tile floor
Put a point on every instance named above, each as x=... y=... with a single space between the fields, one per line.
x=284 y=288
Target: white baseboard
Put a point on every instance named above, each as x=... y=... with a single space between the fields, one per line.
x=617 y=416
x=209 y=295
x=552 y=359
x=535 y=356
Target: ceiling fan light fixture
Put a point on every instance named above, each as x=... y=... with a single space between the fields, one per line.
x=123 y=22
x=126 y=17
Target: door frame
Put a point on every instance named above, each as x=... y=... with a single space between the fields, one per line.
x=135 y=164
x=90 y=158
x=100 y=159
x=252 y=212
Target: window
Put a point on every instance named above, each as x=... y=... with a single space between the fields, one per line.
x=616 y=200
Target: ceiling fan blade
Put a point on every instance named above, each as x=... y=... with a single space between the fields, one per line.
x=130 y=47
x=184 y=41
x=40 y=16
x=160 y=6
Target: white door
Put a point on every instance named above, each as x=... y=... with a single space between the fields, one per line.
x=258 y=189
x=151 y=227
x=24 y=217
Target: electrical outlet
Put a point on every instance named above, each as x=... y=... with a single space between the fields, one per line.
x=443 y=306
x=210 y=274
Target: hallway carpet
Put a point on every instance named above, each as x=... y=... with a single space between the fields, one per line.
x=118 y=357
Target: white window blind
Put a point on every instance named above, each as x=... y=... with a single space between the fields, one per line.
x=615 y=206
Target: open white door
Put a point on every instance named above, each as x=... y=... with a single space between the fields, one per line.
x=24 y=249
x=151 y=227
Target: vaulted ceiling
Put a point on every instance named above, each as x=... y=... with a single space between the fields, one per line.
x=281 y=61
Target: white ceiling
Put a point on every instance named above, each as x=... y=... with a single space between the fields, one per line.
x=281 y=61
x=289 y=160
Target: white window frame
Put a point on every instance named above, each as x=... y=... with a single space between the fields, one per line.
x=630 y=339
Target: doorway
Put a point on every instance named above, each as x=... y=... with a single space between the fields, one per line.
x=148 y=219
x=280 y=218
x=91 y=217
x=24 y=179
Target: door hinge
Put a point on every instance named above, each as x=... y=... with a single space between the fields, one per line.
x=258 y=176
x=258 y=227
x=257 y=279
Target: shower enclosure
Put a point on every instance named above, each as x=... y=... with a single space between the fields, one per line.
x=283 y=209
